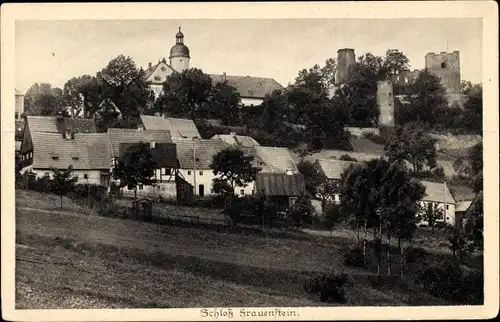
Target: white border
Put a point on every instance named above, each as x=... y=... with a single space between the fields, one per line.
x=488 y=10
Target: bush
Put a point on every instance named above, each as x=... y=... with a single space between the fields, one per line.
x=415 y=254
x=354 y=257
x=438 y=172
x=449 y=280
x=329 y=287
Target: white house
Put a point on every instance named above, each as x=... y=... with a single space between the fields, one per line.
x=441 y=198
x=85 y=152
x=163 y=151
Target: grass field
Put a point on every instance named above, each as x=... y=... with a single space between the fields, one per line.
x=72 y=259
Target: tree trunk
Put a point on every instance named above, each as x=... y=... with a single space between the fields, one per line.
x=389 y=255
x=402 y=259
x=61 y=200
x=364 y=240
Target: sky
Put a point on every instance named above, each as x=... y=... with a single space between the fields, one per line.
x=55 y=51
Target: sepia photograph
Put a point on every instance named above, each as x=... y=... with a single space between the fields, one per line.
x=248 y=167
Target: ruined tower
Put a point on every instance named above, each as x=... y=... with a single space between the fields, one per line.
x=447 y=67
x=385 y=102
x=345 y=61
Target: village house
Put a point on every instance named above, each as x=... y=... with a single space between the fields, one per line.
x=164 y=154
x=62 y=126
x=178 y=128
x=332 y=170
x=194 y=159
x=252 y=90
x=283 y=189
x=85 y=152
x=237 y=140
x=441 y=198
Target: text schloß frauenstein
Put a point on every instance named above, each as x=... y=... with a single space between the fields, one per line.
x=243 y=313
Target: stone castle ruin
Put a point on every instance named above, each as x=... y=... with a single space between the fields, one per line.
x=444 y=65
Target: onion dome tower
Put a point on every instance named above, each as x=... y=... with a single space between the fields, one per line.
x=179 y=53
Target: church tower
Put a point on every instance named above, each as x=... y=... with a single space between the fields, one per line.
x=179 y=54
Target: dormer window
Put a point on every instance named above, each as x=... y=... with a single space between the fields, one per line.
x=163 y=68
x=75 y=157
x=157 y=78
x=443 y=65
x=55 y=157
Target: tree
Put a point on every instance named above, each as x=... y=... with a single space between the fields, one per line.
x=184 y=94
x=474 y=222
x=396 y=62
x=301 y=211
x=83 y=92
x=233 y=166
x=224 y=103
x=473 y=110
x=432 y=213
x=135 y=166
x=470 y=167
x=426 y=96
x=465 y=87
x=312 y=176
x=123 y=83
x=63 y=181
x=42 y=99
x=328 y=72
x=412 y=143
x=274 y=111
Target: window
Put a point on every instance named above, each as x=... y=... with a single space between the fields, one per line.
x=201 y=190
x=447 y=207
x=189 y=172
x=55 y=157
x=163 y=68
x=166 y=171
x=242 y=192
x=152 y=145
x=140 y=187
x=75 y=157
x=85 y=176
x=16 y=115
x=443 y=65
x=201 y=173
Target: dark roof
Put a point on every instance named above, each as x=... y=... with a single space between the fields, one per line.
x=55 y=125
x=435 y=192
x=277 y=184
x=164 y=154
x=118 y=136
x=333 y=168
x=204 y=152
x=85 y=151
x=179 y=128
x=247 y=86
x=239 y=140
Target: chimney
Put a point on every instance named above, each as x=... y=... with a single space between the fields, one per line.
x=288 y=172
x=150 y=65
x=224 y=77
x=164 y=60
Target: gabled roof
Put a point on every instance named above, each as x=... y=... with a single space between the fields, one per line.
x=118 y=136
x=54 y=125
x=435 y=192
x=164 y=154
x=240 y=140
x=337 y=154
x=204 y=151
x=179 y=128
x=333 y=168
x=149 y=73
x=87 y=151
x=247 y=86
x=278 y=184
x=271 y=159
x=462 y=206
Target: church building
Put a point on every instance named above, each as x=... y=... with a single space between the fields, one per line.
x=252 y=90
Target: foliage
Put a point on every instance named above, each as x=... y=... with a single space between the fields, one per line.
x=426 y=95
x=312 y=176
x=83 y=92
x=375 y=138
x=457 y=239
x=414 y=254
x=329 y=287
x=122 y=83
x=354 y=257
x=413 y=144
x=332 y=216
x=301 y=211
x=432 y=213
x=185 y=94
x=396 y=62
x=233 y=166
x=448 y=280
x=63 y=181
x=474 y=223
x=470 y=167
x=135 y=166
x=347 y=157
x=224 y=103
x=274 y=111
x=43 y=99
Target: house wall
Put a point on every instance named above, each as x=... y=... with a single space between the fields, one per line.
x=93 y=176
x=449 y=217
x=247 y=101
x=318 y=206
x=359 y=131
x=19 y=106
x=157 y=89
x=165 y=189
x=206 y=179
